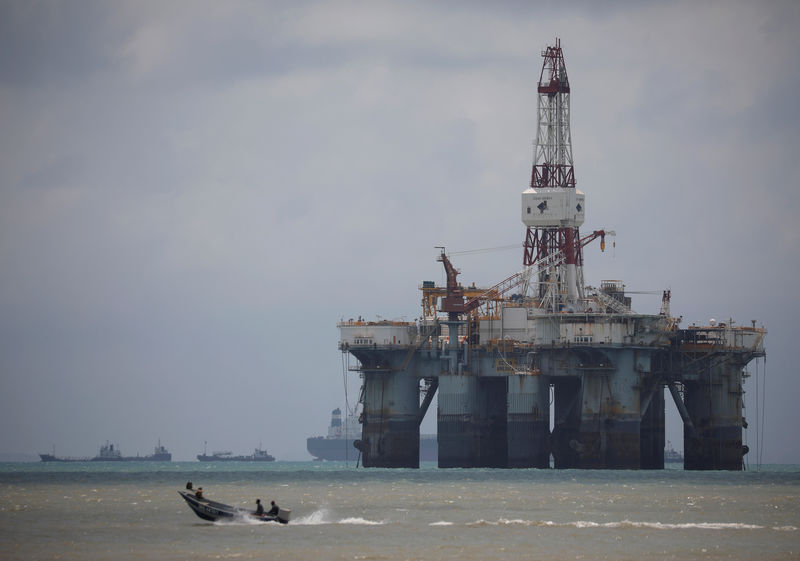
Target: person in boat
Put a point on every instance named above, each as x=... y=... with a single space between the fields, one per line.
x=274 y=510
x=199 y=493
x=259 y=508
x=189 y=486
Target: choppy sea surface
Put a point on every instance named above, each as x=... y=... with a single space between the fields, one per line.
x=132 y=511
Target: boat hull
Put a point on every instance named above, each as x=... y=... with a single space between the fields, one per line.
x=153 y=458
x=205 y=458
x=52 y=458
x=213 y=511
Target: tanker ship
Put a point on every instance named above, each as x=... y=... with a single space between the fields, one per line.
x=340 y=443
x=258 y=455
x=110 y=453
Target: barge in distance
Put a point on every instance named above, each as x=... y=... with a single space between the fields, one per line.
x=258 y=455
x=110 y=453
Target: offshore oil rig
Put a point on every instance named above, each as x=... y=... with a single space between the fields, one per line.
x=500 y=357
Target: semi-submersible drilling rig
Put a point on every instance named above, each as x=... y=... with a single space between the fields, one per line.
x=495 y=354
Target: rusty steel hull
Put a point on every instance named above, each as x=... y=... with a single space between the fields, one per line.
x=390 y=415
x=607 y=444
x=391 y=444
x=709 y=365
x=715 y=441
x=390 y=433
x=601 y=396
x=717 y=448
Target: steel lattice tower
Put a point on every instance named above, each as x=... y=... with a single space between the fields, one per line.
x=552 y=208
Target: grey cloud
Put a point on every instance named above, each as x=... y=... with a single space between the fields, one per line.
x=191 y=195
x=55 y=42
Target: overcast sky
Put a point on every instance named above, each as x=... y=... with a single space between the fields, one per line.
x=192 y=194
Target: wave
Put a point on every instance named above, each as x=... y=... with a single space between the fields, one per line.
x=314 y=519
x=631 y=524
x=362 y=521
x=323 y=516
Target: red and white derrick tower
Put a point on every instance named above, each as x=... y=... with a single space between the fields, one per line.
x=552 y=208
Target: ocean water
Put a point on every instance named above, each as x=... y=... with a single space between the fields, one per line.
x=91 y=511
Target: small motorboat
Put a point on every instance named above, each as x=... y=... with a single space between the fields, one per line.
x=213 y=511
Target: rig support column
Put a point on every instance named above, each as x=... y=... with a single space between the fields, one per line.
x=714 y=402
x=610 y=422
x=458 y=442
x=491 y=422
x=472 y=421
x=390 y=428
x=528 y=419
x=651 y=435
x=567 y=420
x=598 y=415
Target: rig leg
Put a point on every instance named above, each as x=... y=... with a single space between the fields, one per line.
x=714 y=401
x=598 y=416
x=491 y=421
x=651 y=438
x=609 y=435
x=528 y=420
x=458 y=439
x=472 y=421
x=390 y=429
x=567 y=422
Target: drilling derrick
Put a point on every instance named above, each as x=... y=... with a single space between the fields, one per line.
x=553 y=209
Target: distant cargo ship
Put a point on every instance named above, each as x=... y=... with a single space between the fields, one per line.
x=259 y=455
x=108 y=453
x=338 y=444
x=671 y=455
